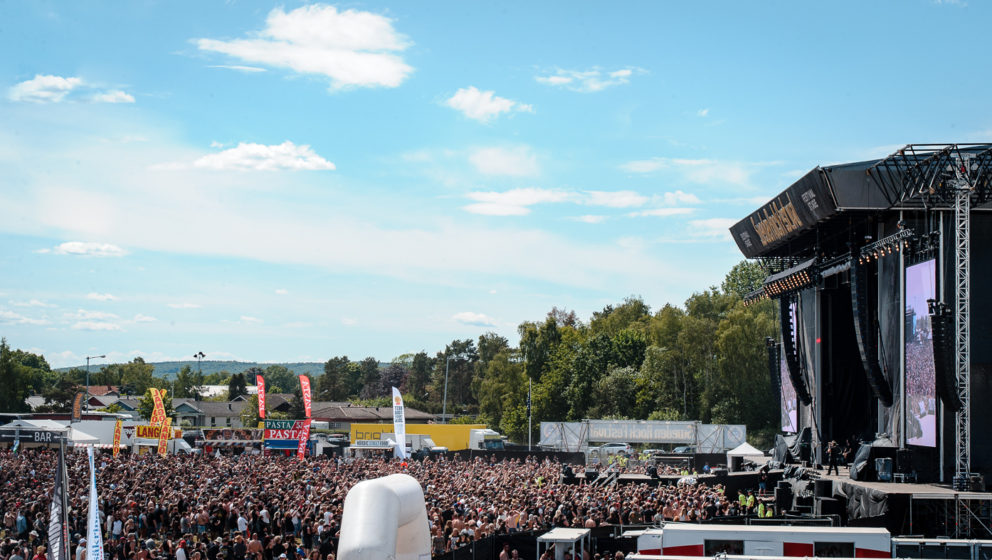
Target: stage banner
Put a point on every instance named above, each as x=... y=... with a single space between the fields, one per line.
x=797 y=209
x=164 y=437
x=399 y=424
x=283 y=429
x=94 y=532
x=118 y=426
x=305 y=389
x=301 y=449
x=260 y=382
x=77 y=407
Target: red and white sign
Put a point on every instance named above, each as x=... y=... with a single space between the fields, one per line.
x=301 y=450
x=260 y=381
x=305 y=389
x=688 y=539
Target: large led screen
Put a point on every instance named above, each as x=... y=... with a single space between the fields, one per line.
x=790 y=404
x=921 y=399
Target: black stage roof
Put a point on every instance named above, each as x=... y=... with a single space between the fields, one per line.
x=826 y=193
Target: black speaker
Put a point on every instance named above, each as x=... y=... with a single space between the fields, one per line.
x=945 y=370
x=904 y=461
x=791 y=354
x=823 y=488
x=783 y=499
x=828 y=506
x=718 y=472
x=865 y=334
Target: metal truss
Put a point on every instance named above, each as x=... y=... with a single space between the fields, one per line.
x=934 y=173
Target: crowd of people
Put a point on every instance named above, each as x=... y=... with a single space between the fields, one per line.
x=277 y=508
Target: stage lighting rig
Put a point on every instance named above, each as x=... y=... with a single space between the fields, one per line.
x=886 y=246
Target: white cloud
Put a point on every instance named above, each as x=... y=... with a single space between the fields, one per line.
x=352 y=48
x=474 y=319
x=515 y=202
x=88 y=249
x=615 y=199
x=31 y=303
x=516 y=162
x=679 y=197
x=259 y=157
x=43 y=89
x=101 y=297
x=113 y=96
x=139 y=318
x=661 y=212
x=700 y=171
x=88 y=314
x=249 y=69
x=281 y=291
x=587 y=81
x=591 y=219
x=18 y=319
x=711 y=227
x=249 y=319
x=185 y=305
x=703 y=113
x=483 y=105
x=96 y=326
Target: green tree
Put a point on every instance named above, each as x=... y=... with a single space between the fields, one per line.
x=633 y=313
x=277 y=378
x=334 y=384
x=615 y=394
x=371 y=386
x=628 y=348
x=188 y=383
x=420 y=375
x=60 y=395
x=146 y=405
x=391 y=376
x=538 y=343
x=297 y=410
x=236 y=387
x=744 y=278
x=503 y=386
x=13 y=380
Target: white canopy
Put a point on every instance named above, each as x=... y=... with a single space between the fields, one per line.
x=744 y=450
x=76 y=437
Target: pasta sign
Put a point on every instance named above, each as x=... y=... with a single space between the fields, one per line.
x=284 y=429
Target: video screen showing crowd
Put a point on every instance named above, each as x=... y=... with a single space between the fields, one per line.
x=790 y=402
x=921 y=394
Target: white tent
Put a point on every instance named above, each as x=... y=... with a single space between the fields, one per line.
x=748 y=452
x=76 y=437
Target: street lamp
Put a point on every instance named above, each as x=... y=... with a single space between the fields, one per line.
x=88 y=358
x=444 y=405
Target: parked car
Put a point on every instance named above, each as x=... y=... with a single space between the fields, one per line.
x=616 y=447
x=684 y=450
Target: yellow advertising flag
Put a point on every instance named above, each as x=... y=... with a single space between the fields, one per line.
x=117 y=437
x=164 y=437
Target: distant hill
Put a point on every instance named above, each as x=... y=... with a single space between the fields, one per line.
x=169 y=370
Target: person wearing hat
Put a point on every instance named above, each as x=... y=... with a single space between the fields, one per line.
x=81 y=549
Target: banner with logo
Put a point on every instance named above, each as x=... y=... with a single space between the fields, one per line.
x=399 y=424
x=118 y=427
x=58 y=530
x=305 y=389
x=260 y=382
x=146 y=431
x=283 y=429
x=94 y=533
x=164 y=437
x=301 y=449
x=77 y=407
x=158 y=414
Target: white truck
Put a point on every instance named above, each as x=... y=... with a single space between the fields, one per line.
x=417 y=442
x=485 y=440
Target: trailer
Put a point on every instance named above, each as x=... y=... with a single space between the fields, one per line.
x=688 y=539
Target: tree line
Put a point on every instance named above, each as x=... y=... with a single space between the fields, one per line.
x=703 y=360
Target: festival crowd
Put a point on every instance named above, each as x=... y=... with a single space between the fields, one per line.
x=251 y=507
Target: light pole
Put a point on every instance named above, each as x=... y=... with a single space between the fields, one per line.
x=199 y=370
x=88 y=358
x=444 y=405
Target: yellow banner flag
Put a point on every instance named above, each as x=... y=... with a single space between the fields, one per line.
x=158 y=414
x=117 y=437
x=163 y=439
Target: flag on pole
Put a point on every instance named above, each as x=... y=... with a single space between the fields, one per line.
x=305 y=389
x=260 y=381
x=301 y=449
x=399 y=424
x=57 y=531
x=158 y=415
x=117 y=436
x=94 y=535
x=163 y=437
x=17 y=443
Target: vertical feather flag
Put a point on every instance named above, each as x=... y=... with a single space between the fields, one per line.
x=305 y=389
x=163 y=437
x=58 y=531
x=94 y=534
x=260 y=381
x=117 y=437
x=301 y=449
x=399 y=424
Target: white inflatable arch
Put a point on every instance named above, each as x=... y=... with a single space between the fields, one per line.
x=385 y=519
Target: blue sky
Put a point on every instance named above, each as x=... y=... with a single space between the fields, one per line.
x=282 y=182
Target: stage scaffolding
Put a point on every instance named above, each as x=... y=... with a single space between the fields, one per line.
x=964 y=515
